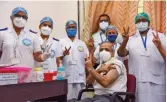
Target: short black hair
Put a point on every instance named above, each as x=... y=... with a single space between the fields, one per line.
x=102 y=15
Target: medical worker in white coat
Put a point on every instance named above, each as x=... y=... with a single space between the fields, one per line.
x=19 y=45
x=147 y=56
x=48 y=42
x=100 y=36
x=75 y=53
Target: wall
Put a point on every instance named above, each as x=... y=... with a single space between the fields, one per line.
x=59 y=11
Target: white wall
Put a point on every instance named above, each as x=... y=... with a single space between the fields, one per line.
x=59 y=11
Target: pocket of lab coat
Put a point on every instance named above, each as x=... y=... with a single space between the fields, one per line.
x=158 y=69
x=67 y=73
x=81 y=71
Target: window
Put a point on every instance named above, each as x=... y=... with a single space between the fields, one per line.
x=141 y=6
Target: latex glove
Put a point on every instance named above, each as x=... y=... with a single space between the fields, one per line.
x=46 y=54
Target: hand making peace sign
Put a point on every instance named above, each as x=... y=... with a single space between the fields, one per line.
x=125 y=34
x=156 y=40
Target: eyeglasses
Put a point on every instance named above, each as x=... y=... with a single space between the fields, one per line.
x=103 y=21
x=23 y=16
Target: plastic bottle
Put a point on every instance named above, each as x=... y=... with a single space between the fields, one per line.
x=54 y=73
x=61 y=72
x=38 y=75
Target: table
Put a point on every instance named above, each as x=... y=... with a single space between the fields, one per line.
x=51 y=91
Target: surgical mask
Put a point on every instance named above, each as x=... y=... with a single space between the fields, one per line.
x=104 y=56
x=71 y=32
x=112 y=37
x=19 y=22
x=103 y=25
x=46 y=30
x=142 y=26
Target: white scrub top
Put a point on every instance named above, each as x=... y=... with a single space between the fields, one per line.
x=18 y=49
x=55 y=51
x=147 y=66
x=75 y=61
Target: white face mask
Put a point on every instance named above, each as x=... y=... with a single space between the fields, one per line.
x=103 y=25
x=142 y=26
x=104 y=56
x=19 y=22
x=46 y=30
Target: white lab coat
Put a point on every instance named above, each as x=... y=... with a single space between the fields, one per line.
x=149 y=70
x=25 y=45
x=55 y=51
x=98 y=38
x=74 y=64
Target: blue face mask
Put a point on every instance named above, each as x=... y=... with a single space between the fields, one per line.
x=112 y=37
x=71 y=32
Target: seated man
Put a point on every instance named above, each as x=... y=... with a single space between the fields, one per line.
x=109 y=77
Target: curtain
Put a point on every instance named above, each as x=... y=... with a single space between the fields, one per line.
x=157 y=14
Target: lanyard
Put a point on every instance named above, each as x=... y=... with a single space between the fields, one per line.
x=101 y=36
x=144 y=41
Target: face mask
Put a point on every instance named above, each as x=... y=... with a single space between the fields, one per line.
x=71 y=32
x=105 y=56
x=46 y=30
x=103 y=25
x=112 y=37
x=19 y=22
x=142 y=26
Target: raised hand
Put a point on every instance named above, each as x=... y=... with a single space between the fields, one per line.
x=91 y=45
x=88 y=63
x=156 y=40
x=125 y=34
x=48 y=48
x=46 y=54
x=67 y=51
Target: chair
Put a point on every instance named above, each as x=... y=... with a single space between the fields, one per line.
x=130 y=94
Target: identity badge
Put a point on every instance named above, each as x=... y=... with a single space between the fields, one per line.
x=73 y=62
x=52 y=53
x=145 y=53
x=80 y=48
x=27 y=42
